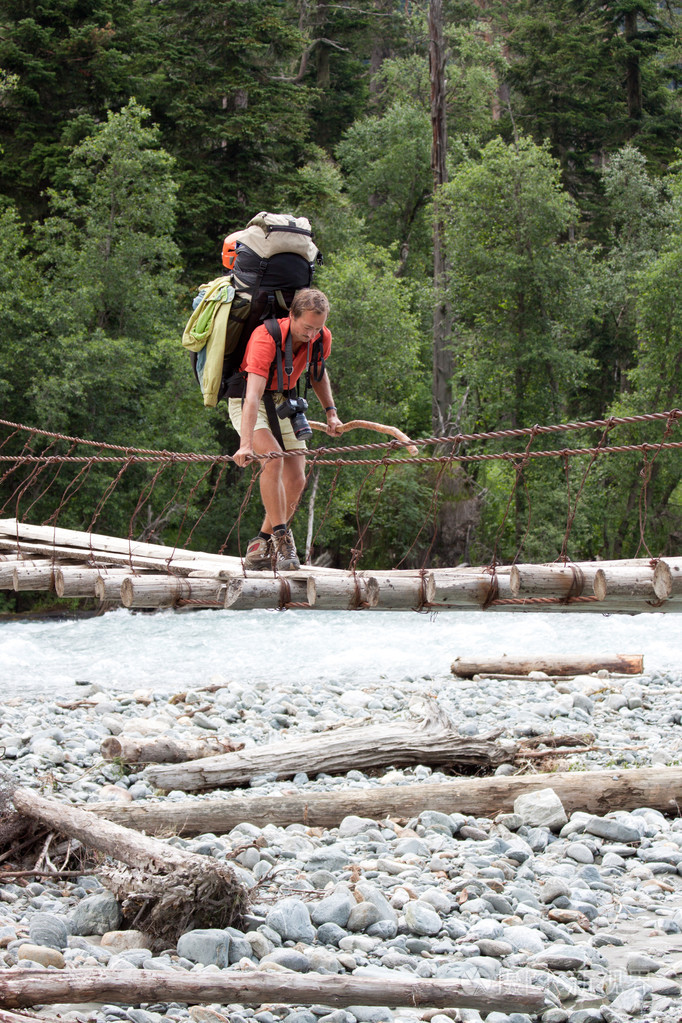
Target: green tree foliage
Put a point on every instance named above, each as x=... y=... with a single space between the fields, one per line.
x=108 y=245
x=588 y=77
x=517 y=286
x=520 y=292
x=94 y=352
x=386 y=161
x=69 y=63
x=231 y=111
x=636 y=216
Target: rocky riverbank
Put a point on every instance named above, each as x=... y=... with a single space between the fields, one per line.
x=588 y=909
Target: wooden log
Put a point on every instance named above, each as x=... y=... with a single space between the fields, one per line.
x=108 y=587
x=153 y=590
x=668 y=578
x=163 y=749
x=410 y=592
x=20 y=988
x=596 y=792
x=265 y=591
x=168 y=892
x=50 y=535
x=470 y=590
x=626 y=664
x=349 y=593
x=634 y=583
x=76 y=581
x=431 y=741
x=33 y=575
x=570 y=580
x=7 y=575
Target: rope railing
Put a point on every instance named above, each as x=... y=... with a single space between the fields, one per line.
x=375 y=457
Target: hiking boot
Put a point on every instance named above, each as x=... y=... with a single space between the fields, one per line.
x=259 y=554
x=286 y=559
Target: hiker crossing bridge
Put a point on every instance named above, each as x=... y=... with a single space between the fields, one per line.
x=40 y=469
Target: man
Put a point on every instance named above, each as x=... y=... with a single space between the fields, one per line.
x=254 y=417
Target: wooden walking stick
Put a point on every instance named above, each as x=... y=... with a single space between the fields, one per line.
x=365 y=424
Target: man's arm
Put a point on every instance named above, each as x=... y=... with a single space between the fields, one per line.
x=255 y=388
x=323 y=390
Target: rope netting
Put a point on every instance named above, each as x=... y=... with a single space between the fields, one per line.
x=48 y=475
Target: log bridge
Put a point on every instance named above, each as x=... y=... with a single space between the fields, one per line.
x=126 y=572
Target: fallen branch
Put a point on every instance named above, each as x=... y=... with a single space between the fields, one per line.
x=167 y=891
x=27 y=987
x=163 y=749
x=628 y=664
x=433 y=741
x=596 y=792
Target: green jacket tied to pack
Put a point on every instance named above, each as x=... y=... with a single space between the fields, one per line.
x=270 y=260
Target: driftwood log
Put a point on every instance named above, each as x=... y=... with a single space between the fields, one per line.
x=595 y=792
x=27 y=987
x=167 y=891
x=434 y=740
x=626 y=664
x=163 y=749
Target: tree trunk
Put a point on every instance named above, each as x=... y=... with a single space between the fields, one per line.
x=168 y=890
x=633 y=78
x=311 y=516
x=596 y=792
x=627 y=664
x=442 y=352
x=28 y=987
x=433 y=741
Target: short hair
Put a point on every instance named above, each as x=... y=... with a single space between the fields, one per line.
x=309 y=300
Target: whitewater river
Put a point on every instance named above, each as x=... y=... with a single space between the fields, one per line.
x=124 y=651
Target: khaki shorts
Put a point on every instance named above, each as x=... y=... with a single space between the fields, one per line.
x=291 y=441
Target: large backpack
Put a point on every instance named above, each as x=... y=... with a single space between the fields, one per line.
x=269 y=261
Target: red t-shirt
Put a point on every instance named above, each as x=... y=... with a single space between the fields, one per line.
x=260 y=353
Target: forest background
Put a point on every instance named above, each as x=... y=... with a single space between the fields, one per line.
x=527 y=271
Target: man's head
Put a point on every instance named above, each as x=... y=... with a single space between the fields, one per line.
x=308 y=314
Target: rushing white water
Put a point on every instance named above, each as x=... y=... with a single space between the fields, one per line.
x=170 y=651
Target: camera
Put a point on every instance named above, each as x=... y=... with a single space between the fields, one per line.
x=293 y=409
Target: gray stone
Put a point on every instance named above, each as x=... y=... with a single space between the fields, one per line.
x=552 y=888
x=329 y=857
x=371 y=1013
x=579 y=852
x=299 y=1016
x=384 y=929
x=523 y=939
x=495 y=948
x=289 y=957
x=291 y=920
x=353 y=825
x=334 y=909
x=331 y=934
x=48 y=929
x=208 y=946
x=96 y=914
x=612 y=830
x=542 y=808
x=434 y=820
x=562 y=957
x=370 y=893
x=639 y=963
x=422 y=919
x=362 y=916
